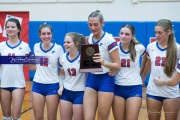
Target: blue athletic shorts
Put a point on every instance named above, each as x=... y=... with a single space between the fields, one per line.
x=10 y=89
x=45 y=89
x=101 y=82
x=128 y=91
x=75 y=97
x=158 y=98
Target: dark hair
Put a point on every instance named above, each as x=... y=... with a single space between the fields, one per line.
x=78 y=39
x=16 y=21
x=96 y=13
x=133 y=41
x=171 y=53
x=44 y=26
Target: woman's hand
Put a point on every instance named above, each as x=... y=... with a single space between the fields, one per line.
x=112 y=72
x=159 y=81
x=60 y=90
x=98 y=58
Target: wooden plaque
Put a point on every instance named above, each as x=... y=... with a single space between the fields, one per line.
x=86 y=62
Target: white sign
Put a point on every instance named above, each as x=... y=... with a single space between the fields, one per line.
x=8 y=17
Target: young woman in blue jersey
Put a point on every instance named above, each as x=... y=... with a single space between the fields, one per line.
x=46 y=82
x=162 y=59
x=99 y=90
x=71 y=99
x=13 y=81
x=128 y=82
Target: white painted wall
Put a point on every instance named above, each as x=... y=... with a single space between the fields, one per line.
x=117 y=10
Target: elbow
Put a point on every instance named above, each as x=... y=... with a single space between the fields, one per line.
x=118 y=68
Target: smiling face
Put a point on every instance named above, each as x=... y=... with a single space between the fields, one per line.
x=46 y=35
x=12 y=29
x=95 y=25
x=125 y=35
x=69 y=44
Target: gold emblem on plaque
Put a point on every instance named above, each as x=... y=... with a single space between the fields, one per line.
x=90 y=51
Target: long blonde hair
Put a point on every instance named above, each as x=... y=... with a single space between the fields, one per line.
x=171 y=53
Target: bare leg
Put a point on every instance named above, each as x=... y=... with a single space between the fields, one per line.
x=105 y=100
x=52 y=102
x=153 y=109
x=89 y=104
x=38 y=102
x=17 y=97
x=171 y=108
x=119 y=105
x=66 y=112
x=179 y=111
x=78 y=112
x=6 y=102
x=133 y=106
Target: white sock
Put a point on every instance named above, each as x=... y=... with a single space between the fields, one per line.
x=18 y=119
x=6 y=118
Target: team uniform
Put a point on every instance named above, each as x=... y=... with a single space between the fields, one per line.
x=128 y=82
x=178 y=67
x=101 y=81
x=0 y=75
x=46 y=81
x=74 y=82
x=157 y=56
x=12 y=74
x=178 y=70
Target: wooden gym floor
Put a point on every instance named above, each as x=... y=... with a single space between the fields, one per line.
x=27 y=112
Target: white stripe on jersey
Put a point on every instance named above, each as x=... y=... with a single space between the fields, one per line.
x=47 y=72
x=12 y=74
x=106 y=44
x=74 y=80
x=157 y=56
x=129 y=73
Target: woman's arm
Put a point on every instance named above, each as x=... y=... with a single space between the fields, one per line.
x=171 y=82
x=114 y=65
x=144 y=59
x=146 y=70
x=61 y=78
